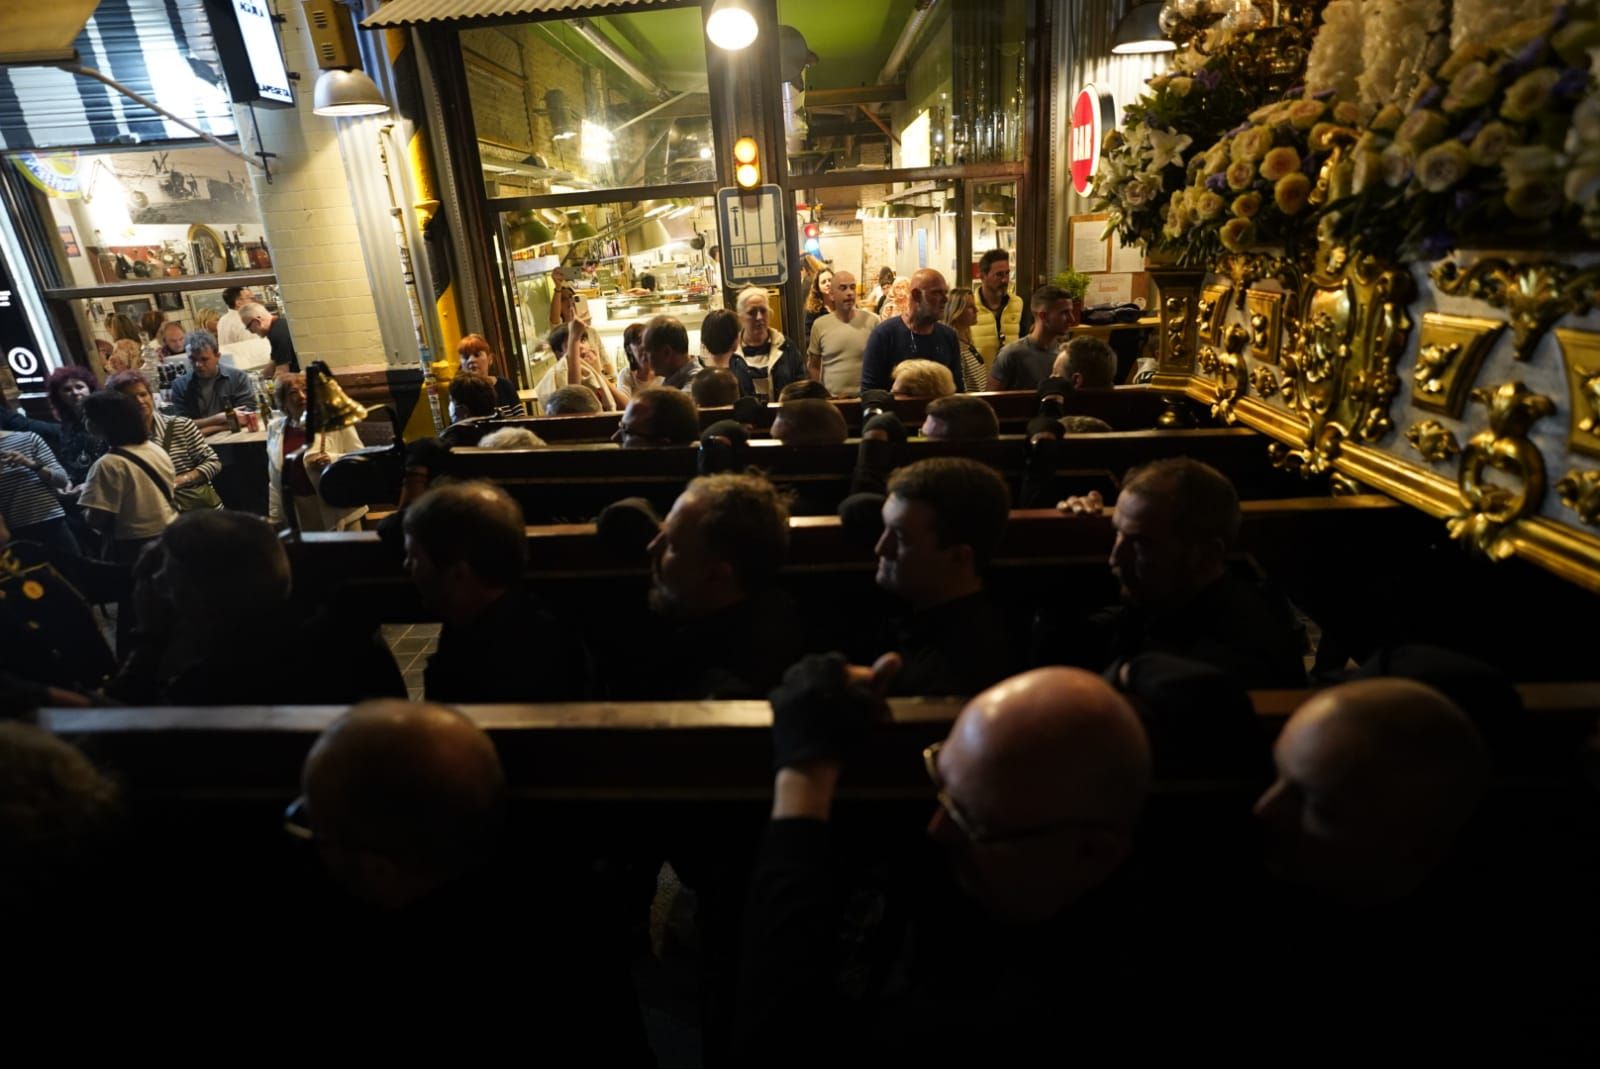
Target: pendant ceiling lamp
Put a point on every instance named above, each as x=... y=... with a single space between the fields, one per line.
x=732 y=25
x=1139 y=32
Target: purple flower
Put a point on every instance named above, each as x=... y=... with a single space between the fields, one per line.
x=1430 y=98
x=1217 y=183
x=1435 y=246
x=1466 y=136
x=1572 y=83
x=1208 y=79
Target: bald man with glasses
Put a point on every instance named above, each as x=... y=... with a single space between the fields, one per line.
x=1038 y=786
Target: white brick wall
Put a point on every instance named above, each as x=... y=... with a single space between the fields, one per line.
x=310 y=223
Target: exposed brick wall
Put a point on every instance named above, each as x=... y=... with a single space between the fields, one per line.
x=310 y=223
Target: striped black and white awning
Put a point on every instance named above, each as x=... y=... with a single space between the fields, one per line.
x=161 y=49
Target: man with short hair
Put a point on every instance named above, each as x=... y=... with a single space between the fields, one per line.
x=1026 y=362
x=1020 y=930
x=665 y=347
x=471 y=397
x=918 y=333
x=943 y=520
x=960 y=418
x=1176 y=521
x=1376 y=780
x=658 y=416
x=210 y=387
x=838 y=340
x=406 y=805
x=1087 y=362
x=199 y=645
x=714 y=564
x=466 y=551
x=714 y=387
x=264 y=324
x=572 y=401
x=1003 y=316
x=809 y=421
x=230 y=328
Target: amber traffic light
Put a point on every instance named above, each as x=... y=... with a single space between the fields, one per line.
x=747 y=169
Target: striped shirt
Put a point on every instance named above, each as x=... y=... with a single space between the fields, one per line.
x=26 y=497
x=188 y=448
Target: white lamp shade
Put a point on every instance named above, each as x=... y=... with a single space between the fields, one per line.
x=731 y=25
x=346 y=93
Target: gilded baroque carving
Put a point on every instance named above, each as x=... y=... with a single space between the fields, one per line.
x=1351 y=329
x=1492 y=508
x=1580 y=352
x=1178 y=300
x=1450 y=351
x=1211 y=311
x=1533 y=295
x=1264 y=381
x=1266 y=324
x=1580 y=492
x=1433 y=440
x=1232 y=374
x=1248 y=268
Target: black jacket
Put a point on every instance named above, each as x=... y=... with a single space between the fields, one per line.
x=516 y=651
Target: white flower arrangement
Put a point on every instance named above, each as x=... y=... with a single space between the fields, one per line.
x=1480 y=21
x=1335 y=63
x=1394 y=47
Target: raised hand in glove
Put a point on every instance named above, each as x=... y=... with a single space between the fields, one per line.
x=824 y=707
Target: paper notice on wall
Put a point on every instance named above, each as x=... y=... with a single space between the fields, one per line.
x=1091 y=253
x=1115 y=288
x=1129 y=258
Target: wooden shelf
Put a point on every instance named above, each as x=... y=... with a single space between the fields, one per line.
x=178 y=284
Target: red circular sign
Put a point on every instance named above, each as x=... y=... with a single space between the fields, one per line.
x=1092 y=112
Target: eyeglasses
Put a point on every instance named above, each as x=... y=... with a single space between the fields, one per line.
x=976 y=832
x=297 y=821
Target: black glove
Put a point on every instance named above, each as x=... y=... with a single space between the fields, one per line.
x=817 y=713
x=627 y=527
x=875 y=401
x=714 y=455
x=887 y=421
x=1043 y=424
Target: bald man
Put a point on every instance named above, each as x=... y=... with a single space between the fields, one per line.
x=406 y=805
x=839 y=338
x=1376 y=780
x=918 y=333
x=1038 y=786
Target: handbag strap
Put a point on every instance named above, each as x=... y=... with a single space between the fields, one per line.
x=161 y=484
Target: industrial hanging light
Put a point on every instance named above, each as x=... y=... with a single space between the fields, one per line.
x=342 y=94
x=732 y=25
x=1140 y=32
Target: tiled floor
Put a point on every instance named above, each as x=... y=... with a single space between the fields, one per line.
x=412 y=645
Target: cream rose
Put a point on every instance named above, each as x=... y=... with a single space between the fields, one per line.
x=1442 y=166
x=1291 y=192
x=1280 y=162
x=1237 y=234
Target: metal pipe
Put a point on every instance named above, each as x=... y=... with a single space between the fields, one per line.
x=664 y=104
x=603 y=45
x=90 y=72
x=903 y=44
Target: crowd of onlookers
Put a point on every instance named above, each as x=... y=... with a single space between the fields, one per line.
x=1117 y=866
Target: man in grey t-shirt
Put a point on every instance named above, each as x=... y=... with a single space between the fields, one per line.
x=838 y=338
x=1026 y=362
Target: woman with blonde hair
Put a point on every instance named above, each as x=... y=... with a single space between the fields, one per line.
x=922 y=378
x=960 y=314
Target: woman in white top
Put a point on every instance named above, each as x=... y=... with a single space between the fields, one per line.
x=285 y=434
x=127 y=495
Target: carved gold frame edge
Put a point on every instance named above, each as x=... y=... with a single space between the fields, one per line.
x=1571 y=554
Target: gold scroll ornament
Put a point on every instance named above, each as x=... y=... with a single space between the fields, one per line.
x=1433 y=440
x=1265 y=312
x=1492 y=508
x=1450 y=351
x=1533 y=295
x=1580 y=492
x=1580 y=352
x=1350 y=329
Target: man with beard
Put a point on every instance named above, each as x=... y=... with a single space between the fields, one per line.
x=1175 y=522
x=466 y=551
x=917 y=334
x=713 y=565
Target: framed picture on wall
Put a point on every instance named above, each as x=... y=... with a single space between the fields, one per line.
x=133 y=309
x=207 y=302
x=169 y=302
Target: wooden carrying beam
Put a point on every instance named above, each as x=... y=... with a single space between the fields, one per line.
x=704 y=750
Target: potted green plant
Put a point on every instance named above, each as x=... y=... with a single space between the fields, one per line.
x=1076 y=283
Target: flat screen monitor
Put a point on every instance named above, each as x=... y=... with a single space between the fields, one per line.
x=252 y=62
